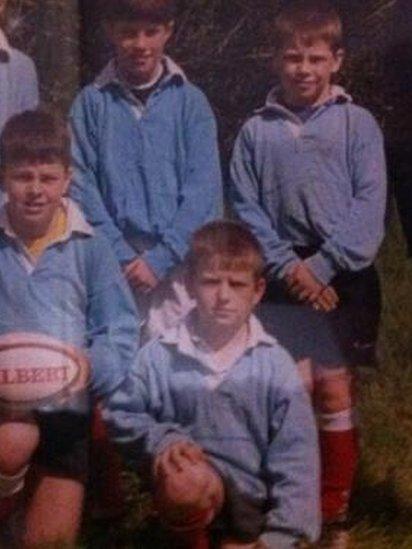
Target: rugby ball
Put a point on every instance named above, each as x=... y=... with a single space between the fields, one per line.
x=37 y=369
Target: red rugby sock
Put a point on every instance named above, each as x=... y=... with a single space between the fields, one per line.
x=339 y=456
x=7 y=506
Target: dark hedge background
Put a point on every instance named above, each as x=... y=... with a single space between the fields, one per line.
x=225 y=47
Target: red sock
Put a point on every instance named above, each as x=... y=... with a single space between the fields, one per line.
x=7 y=506
x=106 y=467
x=198 y=539
x=339 y=457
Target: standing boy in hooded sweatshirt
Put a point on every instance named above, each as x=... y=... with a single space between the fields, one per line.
x=308 y=178
x=147 y=167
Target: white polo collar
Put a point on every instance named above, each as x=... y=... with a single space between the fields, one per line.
x=187 y=342
x=109 y=74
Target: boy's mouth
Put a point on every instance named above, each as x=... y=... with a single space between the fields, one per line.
x=34 y=207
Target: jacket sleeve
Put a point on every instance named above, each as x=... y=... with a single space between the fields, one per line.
x=130 y=413
x=84 y=188
x=354 y=241
x=112 y=320
x=292 y=466
x=245 y=190
x=29 y=87
x=200 y=194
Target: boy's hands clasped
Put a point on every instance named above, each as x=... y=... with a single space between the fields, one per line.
x=175 y=458
x=140 y=276
x=304 y=286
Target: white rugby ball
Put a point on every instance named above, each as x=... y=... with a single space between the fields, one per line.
x=37 y=369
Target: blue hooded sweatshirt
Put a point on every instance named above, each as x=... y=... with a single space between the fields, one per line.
x=75 y=293
x=253 y=420
x=319 y=183
x=146 y=175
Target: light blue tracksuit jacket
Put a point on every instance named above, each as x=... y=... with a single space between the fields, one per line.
x=18 y=82
x=76 y=293
x=321 y=184
x=146 y=175
x=18 y=85
x=254 y=421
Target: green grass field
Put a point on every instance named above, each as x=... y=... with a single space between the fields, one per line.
x=382 y=505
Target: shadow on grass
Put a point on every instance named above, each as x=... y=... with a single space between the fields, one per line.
x=379 y=504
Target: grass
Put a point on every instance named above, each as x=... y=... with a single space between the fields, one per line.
x=382 y=503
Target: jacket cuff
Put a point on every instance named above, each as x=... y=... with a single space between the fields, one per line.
x=278 y=540
x=160 y=259
x=322 y=267
x=171 y=437
x=124 y=252
x=279 y=273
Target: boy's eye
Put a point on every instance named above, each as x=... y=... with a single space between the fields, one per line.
x=292 y=58
x=317 y=59
x=48 y=179
x=151 y=31
x=237 y=284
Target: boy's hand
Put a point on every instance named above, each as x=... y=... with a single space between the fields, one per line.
x=302 y=283
x=174 y=458
x=327 y=300
x=140 y=276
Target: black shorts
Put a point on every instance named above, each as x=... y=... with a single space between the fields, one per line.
x=64 y=444
x=345 y=336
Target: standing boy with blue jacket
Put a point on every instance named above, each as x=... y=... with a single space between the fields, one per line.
x=216 y=409
x=308 y=178
x=147 y=169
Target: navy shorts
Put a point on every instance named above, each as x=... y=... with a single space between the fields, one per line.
x=345 y=336
x=64 y=444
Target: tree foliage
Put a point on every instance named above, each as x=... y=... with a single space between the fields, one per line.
x=225 y=46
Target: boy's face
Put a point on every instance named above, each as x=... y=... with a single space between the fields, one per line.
x=306 y=71
x=139 y=47
x=225 y=297
x=34 y=194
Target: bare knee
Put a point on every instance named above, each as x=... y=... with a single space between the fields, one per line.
x=305 y=369
x=334 y=390
x=195 y=490
x=18 y=441
x=54 y=512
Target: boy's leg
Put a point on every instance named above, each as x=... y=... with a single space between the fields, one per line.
x=54 y=511
x=335 y=404
x=18 y=441
x=55 y=504
x=188 y=501
x=106 y=470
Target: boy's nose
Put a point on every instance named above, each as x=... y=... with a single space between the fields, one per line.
x=223 y=292
x=304 y=66
x=34 y=187
x=140 y=41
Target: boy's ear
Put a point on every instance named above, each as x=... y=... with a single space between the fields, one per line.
x=189 y=283
x=339 y=56
x=69 y=175
x=108 y=28
x=260 y=289
x=170 y=27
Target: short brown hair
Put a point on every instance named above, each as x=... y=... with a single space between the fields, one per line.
x=310 y=20
x=35 y=136
x=156 y=11
x=231 y=242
